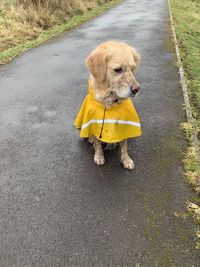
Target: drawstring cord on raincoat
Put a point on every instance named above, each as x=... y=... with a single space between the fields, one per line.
x=100 y=136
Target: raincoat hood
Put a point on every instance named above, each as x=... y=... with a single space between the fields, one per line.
x=110 y=125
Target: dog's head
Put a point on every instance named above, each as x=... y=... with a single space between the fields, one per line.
x=112 y=66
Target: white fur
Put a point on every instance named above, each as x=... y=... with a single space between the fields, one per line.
x=123 y=93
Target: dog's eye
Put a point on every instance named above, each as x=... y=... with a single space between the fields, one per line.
x=118 y=70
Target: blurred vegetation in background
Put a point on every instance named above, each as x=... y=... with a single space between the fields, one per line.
x=23 y=20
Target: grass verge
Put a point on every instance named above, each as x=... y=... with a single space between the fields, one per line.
x=186 y=18
x=192 y=176
x=8 y=54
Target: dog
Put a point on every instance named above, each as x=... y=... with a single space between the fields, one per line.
x=107 y=114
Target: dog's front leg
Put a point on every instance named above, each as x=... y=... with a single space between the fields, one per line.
x=98 y=155
x=125 y=159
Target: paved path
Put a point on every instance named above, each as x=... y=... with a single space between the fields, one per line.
x=57 y=208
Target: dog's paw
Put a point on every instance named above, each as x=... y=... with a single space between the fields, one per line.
x=99 y=159
x=128 y=163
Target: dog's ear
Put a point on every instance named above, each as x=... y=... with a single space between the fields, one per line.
x=136 y=56
x=97 y=64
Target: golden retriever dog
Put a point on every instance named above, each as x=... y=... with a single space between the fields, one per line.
x=112 y=67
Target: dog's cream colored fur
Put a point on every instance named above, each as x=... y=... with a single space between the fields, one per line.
x=112 y=67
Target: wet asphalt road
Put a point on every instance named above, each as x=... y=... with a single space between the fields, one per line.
x=57 y=208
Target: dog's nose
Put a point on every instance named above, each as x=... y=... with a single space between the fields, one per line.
x=135 y=88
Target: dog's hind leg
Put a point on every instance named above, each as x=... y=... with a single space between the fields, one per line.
x=125 y=159
x=98 y=155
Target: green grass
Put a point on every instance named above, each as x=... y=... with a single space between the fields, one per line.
x=186 y=17
x=192 y=175
x=7 y=55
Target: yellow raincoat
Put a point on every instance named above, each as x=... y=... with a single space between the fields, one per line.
x=110 y=125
